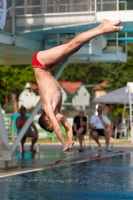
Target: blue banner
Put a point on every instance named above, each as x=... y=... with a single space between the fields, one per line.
x=3 y=6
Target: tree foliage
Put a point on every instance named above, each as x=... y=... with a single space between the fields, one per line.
x=92 y=73
x=120 y=73
x=13 y=79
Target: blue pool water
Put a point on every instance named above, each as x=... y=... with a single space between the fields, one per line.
x=103 y=179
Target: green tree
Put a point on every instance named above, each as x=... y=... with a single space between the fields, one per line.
x=92 y=73
x=120 y=73
x=13 y=80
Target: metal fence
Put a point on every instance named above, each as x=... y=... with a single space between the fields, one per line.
x=11 y=128
x=23 y=7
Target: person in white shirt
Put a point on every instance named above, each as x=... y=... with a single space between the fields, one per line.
x=99 y=124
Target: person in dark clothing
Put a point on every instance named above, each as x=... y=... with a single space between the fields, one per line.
x=31 y=132
x=117 y=123
x=79 y=128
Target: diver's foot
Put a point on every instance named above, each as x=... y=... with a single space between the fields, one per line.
x=110 y=26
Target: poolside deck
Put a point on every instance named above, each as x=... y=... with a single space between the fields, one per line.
x=52 y=152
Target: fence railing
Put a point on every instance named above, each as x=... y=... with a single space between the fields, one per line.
x=12 y=131
x=24 y=7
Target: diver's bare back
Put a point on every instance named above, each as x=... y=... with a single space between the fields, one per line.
x=49 y=88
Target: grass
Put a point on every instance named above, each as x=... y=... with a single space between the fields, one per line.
x=86 y=138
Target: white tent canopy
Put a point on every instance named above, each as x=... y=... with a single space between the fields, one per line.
x=122 y=95
x=115 y=97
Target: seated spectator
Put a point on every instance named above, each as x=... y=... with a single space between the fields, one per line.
x=79 y=128
x=99 y=125
x=117 y=124
x=31 y=132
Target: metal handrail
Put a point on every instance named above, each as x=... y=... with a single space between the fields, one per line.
x=56 y=7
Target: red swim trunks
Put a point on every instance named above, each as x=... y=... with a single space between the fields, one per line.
x=37 y=64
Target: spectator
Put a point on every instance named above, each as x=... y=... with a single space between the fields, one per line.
x=31 y=132
x=3 y=111
x=117 y=124
x=79 y=128
x=99 y=125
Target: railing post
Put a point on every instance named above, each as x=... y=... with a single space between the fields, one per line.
x=54 y=7
x=42 y=6
x=57 y=6
x=125 y=5
x=13 y=21
x=25 y=7
x=13 y=17
x=89 y=5
x=71 y=6
x=45 y=5
x=4 y=145
x=117 y=42
x=95 y=9
x=126 y=44
x=117 y=6
x=101 y=5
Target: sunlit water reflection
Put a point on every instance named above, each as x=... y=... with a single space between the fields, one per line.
x=108 y=178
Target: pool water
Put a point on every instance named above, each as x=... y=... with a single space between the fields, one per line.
x=102 y=179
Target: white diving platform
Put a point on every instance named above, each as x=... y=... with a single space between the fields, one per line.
x=24 y=34
x=112 y=57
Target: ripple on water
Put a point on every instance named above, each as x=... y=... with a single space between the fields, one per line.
x=109 y=178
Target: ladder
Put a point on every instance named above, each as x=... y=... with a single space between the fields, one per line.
x=128 y=104
x=5 y=153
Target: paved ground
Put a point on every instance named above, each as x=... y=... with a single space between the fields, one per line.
x=52 y=152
